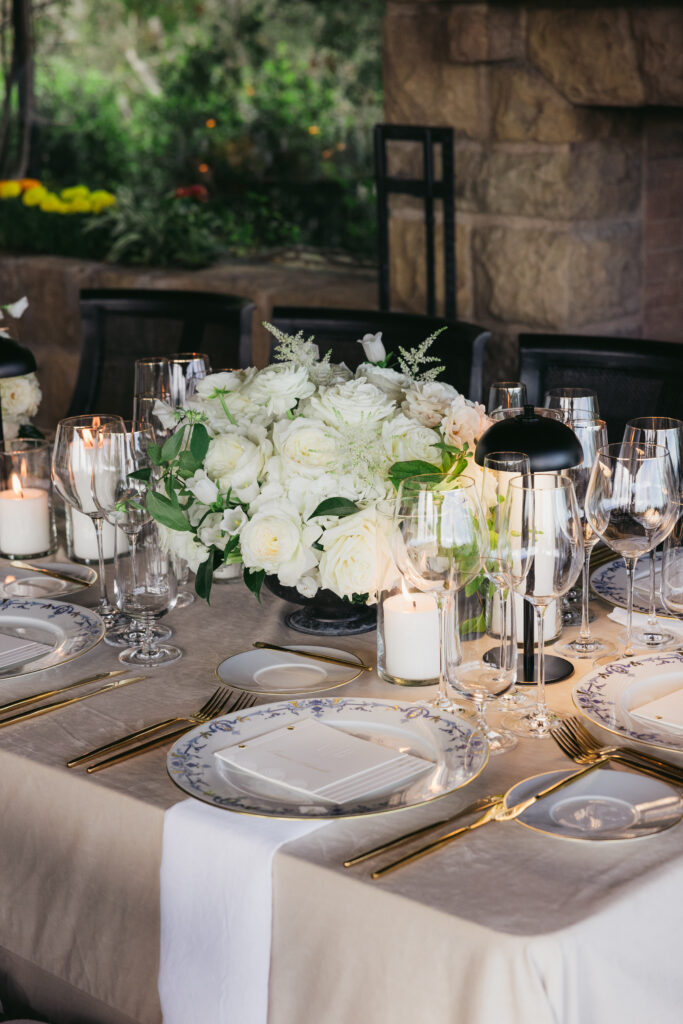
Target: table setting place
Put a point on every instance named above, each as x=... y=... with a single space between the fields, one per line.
x=431 y=605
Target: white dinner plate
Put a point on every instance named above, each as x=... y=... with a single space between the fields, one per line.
x=607 y=695
x=67 y=630
x=456 y=749
x=15 y=582
x=604 y=805
x=276 y=673
x=609 y=581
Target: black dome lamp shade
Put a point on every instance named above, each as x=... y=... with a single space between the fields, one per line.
x=15 y=361
x=550 y=446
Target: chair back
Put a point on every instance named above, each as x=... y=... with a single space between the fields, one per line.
x=121 y=325
x=631 y=376
x=460 y=348
x=428 y=189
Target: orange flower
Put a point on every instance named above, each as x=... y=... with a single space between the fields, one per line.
x=29 y=183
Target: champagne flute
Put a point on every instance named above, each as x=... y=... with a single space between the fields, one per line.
x=667 y=432
x=593 y=436
x=573 y=402
x=72 y=464
x=543 y=527
x=438 y=540
x=632 y=503
x=506 y=394
x=186 y=369
x=153 y=377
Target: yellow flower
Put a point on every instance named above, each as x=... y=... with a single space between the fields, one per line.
x=74 y=192
x=51 y=203
x=9 y=189
x=100 y=199
x=34 y=196
x=78 y=205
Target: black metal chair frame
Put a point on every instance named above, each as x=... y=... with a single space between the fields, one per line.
x=196 y=310
x=349 y=325
x=427 y=189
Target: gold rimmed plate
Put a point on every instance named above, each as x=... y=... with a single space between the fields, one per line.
x=17 y=582
x=282 y=674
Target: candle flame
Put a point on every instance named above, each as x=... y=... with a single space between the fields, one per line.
x=16 y=485
x=10 y=579
x=406 y=592
x=22 y=469
x=88 y=439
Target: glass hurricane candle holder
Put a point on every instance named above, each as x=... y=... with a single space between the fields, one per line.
x=27 y=523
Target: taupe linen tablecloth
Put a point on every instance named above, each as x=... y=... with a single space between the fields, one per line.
x=507 y=925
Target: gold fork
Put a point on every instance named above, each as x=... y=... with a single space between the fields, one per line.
x=241 y=703
x=569 y=747
x=213 y=706
x=589 y=744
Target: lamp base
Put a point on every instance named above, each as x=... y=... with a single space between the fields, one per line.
x=556 y=669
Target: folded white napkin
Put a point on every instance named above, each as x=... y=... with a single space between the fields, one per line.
x=640 y=621
x=216 y=912
x=15 y=649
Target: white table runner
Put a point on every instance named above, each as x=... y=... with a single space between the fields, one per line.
x=215 y=965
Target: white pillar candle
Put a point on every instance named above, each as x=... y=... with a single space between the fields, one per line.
x=84 y=538
x=24 y=520
x=411 y=636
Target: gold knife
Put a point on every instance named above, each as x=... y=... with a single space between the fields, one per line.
x=498 y=812
x=141 y=748
x=477 y=805
x=24 y=716
x=316 y=657
x=63 y=576
x=14 y=704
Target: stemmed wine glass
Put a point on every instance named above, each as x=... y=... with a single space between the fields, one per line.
x=438 y=541
x=498 y=470
x=120 y=475
x=593 y=436
x=186 y=369
x=73 y=457
x=543 y=527
x=153 y=377
x=668 y=433
x=146 y=589
x=672 y=569
x=506 y=394
x=632 y=503
x=573 y=402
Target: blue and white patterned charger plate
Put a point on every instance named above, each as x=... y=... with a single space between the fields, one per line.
x=458 y=752
x=607 y=695
x=66 y=629
x=609 y=581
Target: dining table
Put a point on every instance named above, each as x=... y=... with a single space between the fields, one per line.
x=507 y=925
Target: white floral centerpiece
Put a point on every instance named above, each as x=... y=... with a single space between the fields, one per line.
x=19 y=396
x=282 y=468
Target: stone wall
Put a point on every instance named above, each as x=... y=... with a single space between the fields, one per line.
x=562 y=164
x=51 y=325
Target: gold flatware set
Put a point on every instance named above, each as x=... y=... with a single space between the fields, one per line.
x=54 y=573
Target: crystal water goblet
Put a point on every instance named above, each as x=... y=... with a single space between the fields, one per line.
x=672 y=569
x=667 y=432
x=632 y=503
x=573 y=402
x=506 y=394
x=186 y=369
x=73 y=457
x=543 y=529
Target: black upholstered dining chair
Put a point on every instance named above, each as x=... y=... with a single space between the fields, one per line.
x=460 y=348
x=120 y=325
x=631 y=376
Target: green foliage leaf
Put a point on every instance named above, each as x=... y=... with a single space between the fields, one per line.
x=172 y=445
x=475 y=585
x=167 y=511
x=199 y=442
x=415 y=467
x=335 y=507
x=474 y=625
x=154 y=452
x=187 y=464
x=254 y=580
x=204 y=576
x=141 y=474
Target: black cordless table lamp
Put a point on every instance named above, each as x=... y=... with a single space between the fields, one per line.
x=550 y=447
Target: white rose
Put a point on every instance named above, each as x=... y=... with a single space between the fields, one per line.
x=354 y=402
x=306 y=447
x=10 y=427
x=355 y=556
x=227 y=380
x=278 y=388
x=165 y=414
x=20 y=396
x=391 y=382
x=236 y=463
x=183 y=544
x=309 y=585
x=406 y=439
x=276 y=539
x=203 y=488
x=464 y=422
x=373 y=348
x=428 y=402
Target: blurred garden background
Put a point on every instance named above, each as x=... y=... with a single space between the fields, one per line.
x=177 y=132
